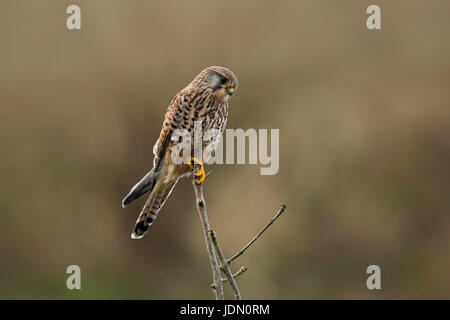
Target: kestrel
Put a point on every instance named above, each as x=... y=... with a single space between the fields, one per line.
x=204 y=100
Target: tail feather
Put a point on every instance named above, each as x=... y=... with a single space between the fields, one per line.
x=146 y=184
x=151 y=208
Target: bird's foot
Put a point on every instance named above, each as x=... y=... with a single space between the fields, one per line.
x=200 y=174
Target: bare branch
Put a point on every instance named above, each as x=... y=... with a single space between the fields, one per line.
x=201 y=208
x=242 y=270
x=212 y=244
x=237 y=274
x=225 y=266
x=279 y=213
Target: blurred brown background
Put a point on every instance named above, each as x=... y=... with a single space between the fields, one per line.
x=364 y=147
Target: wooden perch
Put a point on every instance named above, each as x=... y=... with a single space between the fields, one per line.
x=225 y=266
x=279 y=213
x=213 y=247
x=201 y=208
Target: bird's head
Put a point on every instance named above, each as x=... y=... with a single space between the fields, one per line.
x=221 y=80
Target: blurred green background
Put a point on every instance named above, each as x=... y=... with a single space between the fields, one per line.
x=364 y=147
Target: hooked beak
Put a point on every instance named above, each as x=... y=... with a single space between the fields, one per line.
x=230 y=91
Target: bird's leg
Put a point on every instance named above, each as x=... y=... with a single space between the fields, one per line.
x=200 y=174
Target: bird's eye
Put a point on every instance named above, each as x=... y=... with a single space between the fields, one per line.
x=223 y=80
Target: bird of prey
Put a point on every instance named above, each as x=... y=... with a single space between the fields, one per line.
x=205 y=101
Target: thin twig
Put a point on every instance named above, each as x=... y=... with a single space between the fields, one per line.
x=225 y=266
x=242 y=270
x=279 y=213
x=208 y=173
x=213 y=247
x=201 y=208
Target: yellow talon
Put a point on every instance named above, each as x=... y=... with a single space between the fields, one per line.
x=200 y=174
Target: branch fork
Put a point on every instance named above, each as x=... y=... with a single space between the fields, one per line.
x=220 y=264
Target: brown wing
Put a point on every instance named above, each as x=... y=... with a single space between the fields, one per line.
x=174 y=119
x=174 y=112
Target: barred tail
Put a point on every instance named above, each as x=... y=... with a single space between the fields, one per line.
x=151 y=208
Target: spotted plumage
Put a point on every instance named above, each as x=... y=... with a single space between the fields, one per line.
x=205 y=101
